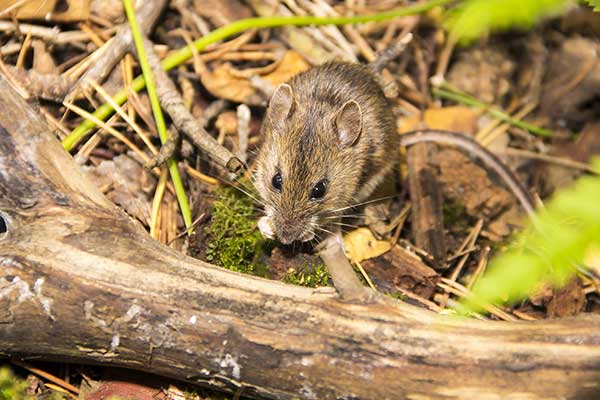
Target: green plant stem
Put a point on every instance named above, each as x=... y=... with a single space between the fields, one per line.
x=159 y=118
x=460 y=97
x=234 y=28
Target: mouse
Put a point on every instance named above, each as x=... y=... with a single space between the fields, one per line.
x=330 y=138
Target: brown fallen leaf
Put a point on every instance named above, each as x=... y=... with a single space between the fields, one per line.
x=456 y=118
x=400 y=269
x=583 y=149
x=226 y=82
x=568 y=300
x=47 y=10
x=572 y=80
x=360 y=244
x=43 y=62
x=484 y=72
x=505 y=224
x=220 y=12
x=227 y=121
x=111 y=10
x=468 y=184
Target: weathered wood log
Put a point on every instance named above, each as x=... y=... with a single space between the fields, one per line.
x=81 y=282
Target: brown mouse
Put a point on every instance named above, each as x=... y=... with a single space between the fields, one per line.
x=330 y=139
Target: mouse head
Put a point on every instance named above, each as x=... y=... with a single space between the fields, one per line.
x=309 y=167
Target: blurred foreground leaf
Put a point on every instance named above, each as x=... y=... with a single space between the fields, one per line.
x=473 y=19
x=564 y=234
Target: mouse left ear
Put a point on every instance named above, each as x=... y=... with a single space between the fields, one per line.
x=348 y=123
x=281 y=104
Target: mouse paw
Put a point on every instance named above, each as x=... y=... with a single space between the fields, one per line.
x=264 y=226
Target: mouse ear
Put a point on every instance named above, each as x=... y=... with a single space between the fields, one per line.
x=348 y=122
x=281 y=104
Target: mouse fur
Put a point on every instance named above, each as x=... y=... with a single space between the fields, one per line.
x=329 y=127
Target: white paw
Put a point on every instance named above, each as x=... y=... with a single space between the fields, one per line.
x=264 y=226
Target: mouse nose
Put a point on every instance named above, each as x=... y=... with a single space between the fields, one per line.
x=288 y=234
x=288 y=231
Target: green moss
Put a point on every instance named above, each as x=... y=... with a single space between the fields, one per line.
x=453 y=211
x=234 y=241
x=398 y=296
x=13 y=388
x=10 y=387
x=310 y=276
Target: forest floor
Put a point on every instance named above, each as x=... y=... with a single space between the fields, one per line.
x=548 y=77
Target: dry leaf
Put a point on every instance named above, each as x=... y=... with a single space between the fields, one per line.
x=399 y=269
x=457 y=119
x=567 y=301
x=220 y=12
x=592 y=258
x=48 y=10
x=361 y=245
x=485 y=73
x=228 y=83
x=111 y=10
x=468 y=184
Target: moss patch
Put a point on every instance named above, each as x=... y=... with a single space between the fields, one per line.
x=454 y=212
x=310 y=276
x=13 y=388
x=234 y=241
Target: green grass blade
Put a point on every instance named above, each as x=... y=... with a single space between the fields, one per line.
x=469 y=100
x=157 y=111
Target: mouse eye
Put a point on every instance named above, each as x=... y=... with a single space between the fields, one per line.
x=319 y=190
x=276 y=181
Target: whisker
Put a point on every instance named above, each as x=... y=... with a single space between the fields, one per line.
x=353 y=216
x=249 y=195
x=363 y=203
x=250 y=189
x=324 y=230
x=343 y=224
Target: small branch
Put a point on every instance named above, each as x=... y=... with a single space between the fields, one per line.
x=114 y=50
x=183 y=119
x=243 y=119
x=343 y=275
x=45 y=86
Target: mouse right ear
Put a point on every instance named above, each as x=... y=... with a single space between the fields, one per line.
x=281 y=104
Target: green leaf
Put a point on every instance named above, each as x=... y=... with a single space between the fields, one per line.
x=472 y=19
x=595 y=4
x=564 y=232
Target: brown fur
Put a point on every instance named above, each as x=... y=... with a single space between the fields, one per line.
x=308 y=138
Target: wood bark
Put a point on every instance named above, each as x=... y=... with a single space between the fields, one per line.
x=82 y=282
x=426 y=199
